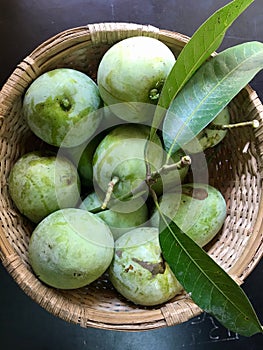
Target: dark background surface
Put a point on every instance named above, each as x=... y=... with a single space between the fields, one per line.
x=24 y=24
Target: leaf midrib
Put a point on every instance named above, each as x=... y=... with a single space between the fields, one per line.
x=205 y=274
x=206 y=98
x=201 y=58
x=191 y=71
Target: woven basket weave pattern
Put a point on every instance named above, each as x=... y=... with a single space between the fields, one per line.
x=235 y=169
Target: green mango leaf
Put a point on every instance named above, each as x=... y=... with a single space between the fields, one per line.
x=210 y=287
x=201 y=45
x=209 y=90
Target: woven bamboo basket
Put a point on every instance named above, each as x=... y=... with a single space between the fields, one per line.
x=235 y=172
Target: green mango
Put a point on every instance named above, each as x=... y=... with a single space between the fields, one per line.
x=138 y=270
x=61 y=107
x=198 y=209
x=131 y=75
x=70 y=248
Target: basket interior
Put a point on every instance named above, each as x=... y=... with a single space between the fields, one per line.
x=234 y=167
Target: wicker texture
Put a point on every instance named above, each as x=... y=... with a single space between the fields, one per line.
x=236 y=173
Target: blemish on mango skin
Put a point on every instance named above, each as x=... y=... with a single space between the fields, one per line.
x=118 y=252
x=195 y=192
x=154 y=268
x=141 y=275
x=129 y=268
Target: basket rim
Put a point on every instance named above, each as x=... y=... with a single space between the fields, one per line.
x=168 y=314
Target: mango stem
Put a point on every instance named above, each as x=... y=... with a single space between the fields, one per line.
x=254 y=123
x=165 y=169
x=108 y=195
